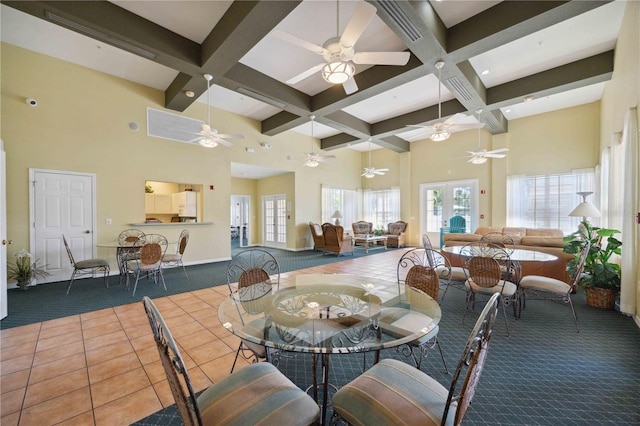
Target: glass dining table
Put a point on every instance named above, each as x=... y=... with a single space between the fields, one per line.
x=329 y=314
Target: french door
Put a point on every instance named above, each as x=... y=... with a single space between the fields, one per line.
x=440 y=201
x=275 y=221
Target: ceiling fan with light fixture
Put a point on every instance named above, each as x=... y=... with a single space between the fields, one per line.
x=338 y=52
x=370 y=172
x=441 y=130
x=207 y=136
x=481 y=155
x=313 y=158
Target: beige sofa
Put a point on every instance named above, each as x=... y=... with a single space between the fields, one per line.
x=540 y=239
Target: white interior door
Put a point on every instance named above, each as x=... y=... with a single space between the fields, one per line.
x=62 y=203
x=3 y=233
x=275 y=221
x=240 y=218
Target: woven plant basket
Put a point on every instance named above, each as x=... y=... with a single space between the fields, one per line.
x=601 y=297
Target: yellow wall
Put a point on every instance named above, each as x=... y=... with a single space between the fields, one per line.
x=81 y=125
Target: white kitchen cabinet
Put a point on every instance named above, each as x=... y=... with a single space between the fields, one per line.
x=185 y=203
x=158 y=203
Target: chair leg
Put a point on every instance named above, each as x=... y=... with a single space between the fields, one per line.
x=136 y=283
x=184 y=269
x=73 y=275
x=504 y=314
x=573 y=311
x=162 y=278
x=107 y=270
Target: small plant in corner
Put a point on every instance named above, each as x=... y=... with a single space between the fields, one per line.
x=23 y=270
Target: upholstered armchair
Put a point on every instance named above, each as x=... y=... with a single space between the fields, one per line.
x=396 y=234
x=318 y=236
x=361 y=227
x=335 y=241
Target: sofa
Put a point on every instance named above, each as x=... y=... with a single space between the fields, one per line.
x=395 y=234
x=335 y=241
x=540 y=239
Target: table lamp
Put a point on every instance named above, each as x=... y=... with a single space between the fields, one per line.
x=337 y=216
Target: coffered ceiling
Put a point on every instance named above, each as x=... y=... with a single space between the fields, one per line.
x=556 y=54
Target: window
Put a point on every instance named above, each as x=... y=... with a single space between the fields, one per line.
x=346 y=201
x=381 y=206
x=546 y=201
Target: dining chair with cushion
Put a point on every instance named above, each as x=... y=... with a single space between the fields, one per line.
x=418 y=268
x=258 y=394
x=536 y=287
x=86 y=267
x=148 y=260
x=393 y=392
x=455 y=274
x=334 y=240
x=485 y=276
x=247 y=269
x=175 y=259
x=318 y=237
x=129 y=243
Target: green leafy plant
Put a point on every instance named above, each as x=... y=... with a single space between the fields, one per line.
x=148 y=189
x=599 y=271
x=378 y=231
x=24 y=270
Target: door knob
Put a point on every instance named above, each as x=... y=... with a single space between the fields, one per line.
x=87 y=232
x=5 y=242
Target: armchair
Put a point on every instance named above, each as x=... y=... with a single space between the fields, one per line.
x=334 y=240
x=362 y=227
x=396 y=234
x=318 y=236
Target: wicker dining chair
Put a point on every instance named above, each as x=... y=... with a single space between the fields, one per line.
x=175 y=259
x=148 y=261
x=249 y=268
x=86 y=267
x=393 y=393
x=416 y=269
x=257 y=394
x=485 y=276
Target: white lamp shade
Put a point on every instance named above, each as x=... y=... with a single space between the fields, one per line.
x=336 y=215
x=585 y=209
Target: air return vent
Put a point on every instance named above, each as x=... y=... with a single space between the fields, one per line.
x=491 y=123
x=166 y=125
x=400 y=18
x=459 y=87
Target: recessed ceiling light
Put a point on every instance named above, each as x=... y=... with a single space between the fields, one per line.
x=485 y=72
x=189 y=94
x=528 y=98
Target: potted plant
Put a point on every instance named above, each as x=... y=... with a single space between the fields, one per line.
x=23 y=270
x=600 y=277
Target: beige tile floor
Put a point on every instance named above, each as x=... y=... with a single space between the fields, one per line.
x=103 y=368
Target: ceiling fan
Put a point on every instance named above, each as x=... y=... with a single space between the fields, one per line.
x=313 y=158
x=207 y=136
x=441 y=130
x=481 y=156
x=339 y=54
x=370 y=172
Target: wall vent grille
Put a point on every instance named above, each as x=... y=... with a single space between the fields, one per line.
x=460 y=88
x=165 y=125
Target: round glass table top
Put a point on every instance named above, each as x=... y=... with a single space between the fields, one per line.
x=330 y=313
x=520 y=255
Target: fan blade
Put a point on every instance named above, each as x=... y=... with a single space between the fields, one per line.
x=378 y=172
x=195 y=139
x=382 y=170
x=350 y=86
x=225 y=143
x=361 y=17
x=494 y=155
x=456 y=118
x=381 y=58
x=495 y=151
x=230 y=136
x=290 y=38
x=305 y=74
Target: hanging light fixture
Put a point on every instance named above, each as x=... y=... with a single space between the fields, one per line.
x=312 y=159
x=441 y=133
x=208 y=142
x=336 y=71
x=370 y=172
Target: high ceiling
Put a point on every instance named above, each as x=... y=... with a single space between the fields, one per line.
x=556 y=54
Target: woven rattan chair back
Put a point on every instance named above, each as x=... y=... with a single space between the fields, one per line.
x=183 y=240
x=251 y=267
x=426 y=242
x=497 y=238
x=425 y=279
x=484 y=271
x=129 y=236
x=423 y=269
x=174 y=367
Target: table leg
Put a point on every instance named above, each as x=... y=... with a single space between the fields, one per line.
x=366 y=247
x=385 y=244
x=325 y=384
